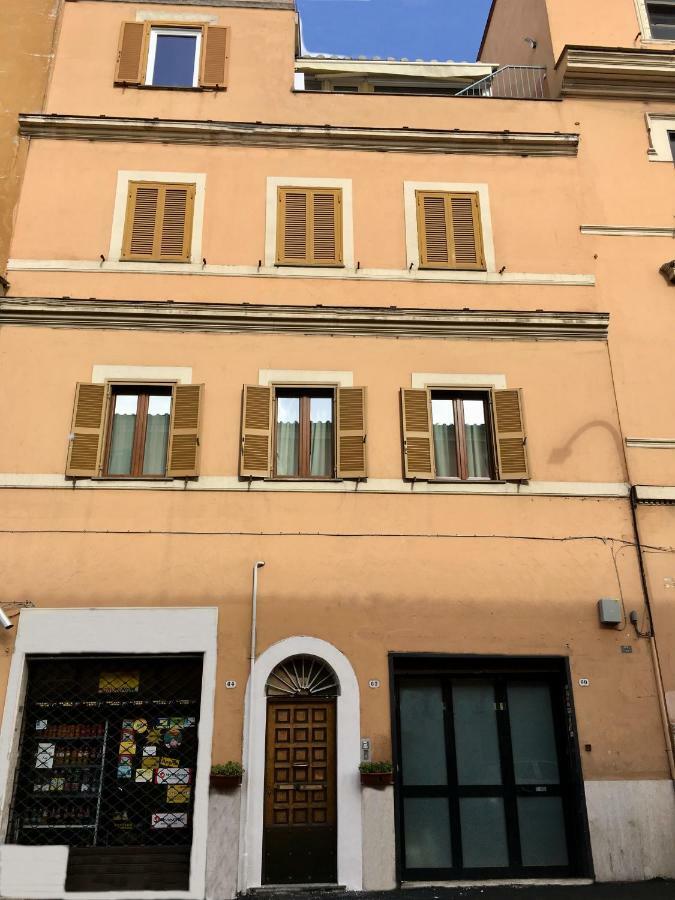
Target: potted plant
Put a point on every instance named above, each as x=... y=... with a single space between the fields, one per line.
x=226 y=776
x=376 y=774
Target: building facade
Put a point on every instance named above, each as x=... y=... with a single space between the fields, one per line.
x=352 y=440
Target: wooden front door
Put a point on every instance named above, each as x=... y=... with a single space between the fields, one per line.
x=300 y=826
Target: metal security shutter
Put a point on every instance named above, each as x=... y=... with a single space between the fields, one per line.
x=107 y=765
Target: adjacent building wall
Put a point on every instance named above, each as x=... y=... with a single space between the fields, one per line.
x=28 y=40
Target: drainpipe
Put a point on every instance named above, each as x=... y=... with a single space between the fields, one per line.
x=656 y=662
x=249 y=754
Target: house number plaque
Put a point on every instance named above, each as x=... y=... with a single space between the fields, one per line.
x=374 y=683
x=230 y=684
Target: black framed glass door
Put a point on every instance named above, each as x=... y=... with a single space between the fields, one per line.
x=484 y=778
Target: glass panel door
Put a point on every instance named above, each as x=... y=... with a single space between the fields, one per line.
x=484 y=792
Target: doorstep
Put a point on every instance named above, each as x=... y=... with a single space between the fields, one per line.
x=506 y=882
x=276 y=889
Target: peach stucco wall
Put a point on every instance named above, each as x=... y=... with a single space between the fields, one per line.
x=27 y=43
x=556 y=24
x=567 y=442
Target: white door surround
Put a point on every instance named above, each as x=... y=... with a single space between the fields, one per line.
x=349 y=852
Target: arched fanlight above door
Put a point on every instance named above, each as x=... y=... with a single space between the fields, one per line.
x=302 y=676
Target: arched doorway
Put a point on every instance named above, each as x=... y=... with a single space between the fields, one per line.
x=300 y=808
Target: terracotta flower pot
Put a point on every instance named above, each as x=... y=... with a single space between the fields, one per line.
x=376 y=779
x=225 y=782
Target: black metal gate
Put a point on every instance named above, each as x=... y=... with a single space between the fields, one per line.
x=107 y=765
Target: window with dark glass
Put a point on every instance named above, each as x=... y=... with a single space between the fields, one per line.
x=662 y=19
x=671 y=139
x=138 y=431
x=304 y=433
x=462 y=435
x=173 y=57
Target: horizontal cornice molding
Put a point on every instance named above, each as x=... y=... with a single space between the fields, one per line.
x=211 y=483
x=210 y=270
x=241 y=4
x=267 y=134
x=655 y=494
x=328 y=320
x=651 y=443
x=612 y=72
x=628 y=230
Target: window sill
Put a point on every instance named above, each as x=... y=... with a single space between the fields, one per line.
x=451 y=269
x=134 y=479
x=167 y=87
x=304 y=480
x=463 y=481
x=308 y=265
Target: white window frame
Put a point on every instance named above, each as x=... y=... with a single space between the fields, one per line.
x=659 y=125
x=157 y=31
x=120 y=213
x=410 y=189
x=645 y=25
x=272 y=205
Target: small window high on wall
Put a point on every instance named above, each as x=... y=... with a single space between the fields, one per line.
x=662 y=19
x=172 y=56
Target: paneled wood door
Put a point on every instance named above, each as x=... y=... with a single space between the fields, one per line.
x=300 y=825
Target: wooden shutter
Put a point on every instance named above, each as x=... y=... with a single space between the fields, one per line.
x=309 y=226
x=449 y=230
x=351 y=433
x=183 y=450
x=132 y=53
x=215 y=53
x=158 y=226
x=510 y=435
x=418 y=442
x=256 y=432
x=86 y=431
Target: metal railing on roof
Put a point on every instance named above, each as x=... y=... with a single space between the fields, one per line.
x=511 y=82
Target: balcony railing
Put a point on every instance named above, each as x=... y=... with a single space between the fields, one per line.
x=511 y=83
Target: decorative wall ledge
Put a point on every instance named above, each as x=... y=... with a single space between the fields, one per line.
x=266 y=134
x=612 y=72
x=357 y=321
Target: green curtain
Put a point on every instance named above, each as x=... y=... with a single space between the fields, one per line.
x=156 y=441
x=288 y=435
x=445 y=448
x=121 y=443
x=477 y=451
x=321 y=450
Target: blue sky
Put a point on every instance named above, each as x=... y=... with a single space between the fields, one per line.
x=416 y=29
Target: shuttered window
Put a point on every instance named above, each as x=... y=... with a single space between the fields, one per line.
x=463 y=435
x=135 y=431
x=166 y=55
x=309 y=226
x=449 y=230
x=158 y=226
x=303 y=432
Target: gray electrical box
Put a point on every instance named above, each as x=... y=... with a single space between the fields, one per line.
x=609 y=611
